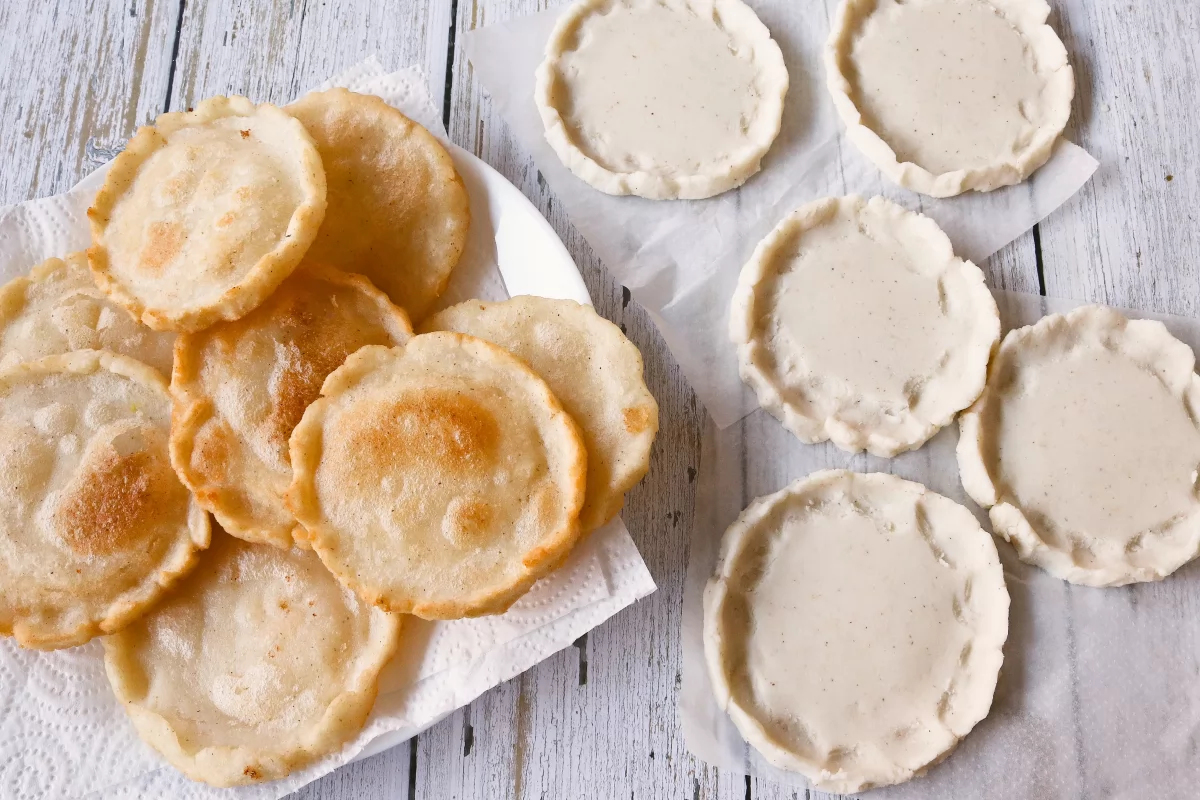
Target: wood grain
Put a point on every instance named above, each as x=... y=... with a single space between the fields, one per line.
x=73 y=71
x=1132 y=236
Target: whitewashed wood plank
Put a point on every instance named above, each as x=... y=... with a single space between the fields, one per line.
x=1132 y=236
x=274 y=51
x=73 y=71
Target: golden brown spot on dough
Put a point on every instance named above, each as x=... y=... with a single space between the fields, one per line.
x=637 y=419
x=251 y=773
x=245 y=134
x=226 y=219
x=448 y=429
x=244 y=193
x=113 y=505
x=466 y=520
x=317 y=334
x=163 y=242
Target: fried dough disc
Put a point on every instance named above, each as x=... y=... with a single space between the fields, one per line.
x=259 y=663
x=398 y=211
x=94 y=524
x=240 y=387
x=57 y=308
x=205 y=213
x=592 y=369
x=440 y=478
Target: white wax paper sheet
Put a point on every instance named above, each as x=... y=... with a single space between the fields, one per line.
x=63 y=735
x=1099 y=695
x=680 y=259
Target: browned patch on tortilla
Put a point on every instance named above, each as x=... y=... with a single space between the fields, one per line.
x=115 y=501
x=637 y=419
x=163 y=243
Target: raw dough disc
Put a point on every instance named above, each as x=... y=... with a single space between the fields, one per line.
x=260 y=663
x=205 y=213
x=855 y=323
x=950 y=95
x=57 y=308
x=592 y=369
x=854 y=627
x=94 y=523
x=240 y=387
x=1085 y=447
x=661 y=98
x=440 y=478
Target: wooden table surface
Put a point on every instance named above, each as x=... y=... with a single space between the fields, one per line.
x=598 y=720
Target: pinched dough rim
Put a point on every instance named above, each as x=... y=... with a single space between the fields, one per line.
x=910 y=431
x=959 y=716
x=604 y=502
x=1145 y=341
x=225 y=766
x=1028 y=17
x=192 y=408
x=740 y=22
x=306 y=449
x=177 y=562
x=263 y=277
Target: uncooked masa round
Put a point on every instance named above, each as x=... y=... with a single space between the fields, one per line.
x=945 y=96
x=854 y=627
x=662 y=99
x=855 y=323
x=1085 y=446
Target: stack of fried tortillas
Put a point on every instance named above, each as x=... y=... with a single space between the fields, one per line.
x=270 y=262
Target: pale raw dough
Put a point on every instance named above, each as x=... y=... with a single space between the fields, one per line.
x=855 y=323
x=946 y=96
x=661 y=98
x=854 y=628
x=1085 y=448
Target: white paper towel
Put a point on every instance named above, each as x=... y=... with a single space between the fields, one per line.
x=1099 y=694
x=680 y=259
x=63 y=735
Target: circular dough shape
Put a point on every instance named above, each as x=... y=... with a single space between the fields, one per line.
x=258 y=664
x=440 y=478
x=57 y=308
x=946 y=96
x=205 y=213
x=855 y=323
x=1084 y=447
x=594 y=371
x=240 y=387
x=623 y=78
x=854 y=628
x=94 y=523
x=398 y=211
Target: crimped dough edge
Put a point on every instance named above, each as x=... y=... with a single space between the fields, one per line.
x=767 y=56
x=913 y=432
x=1029 y=18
